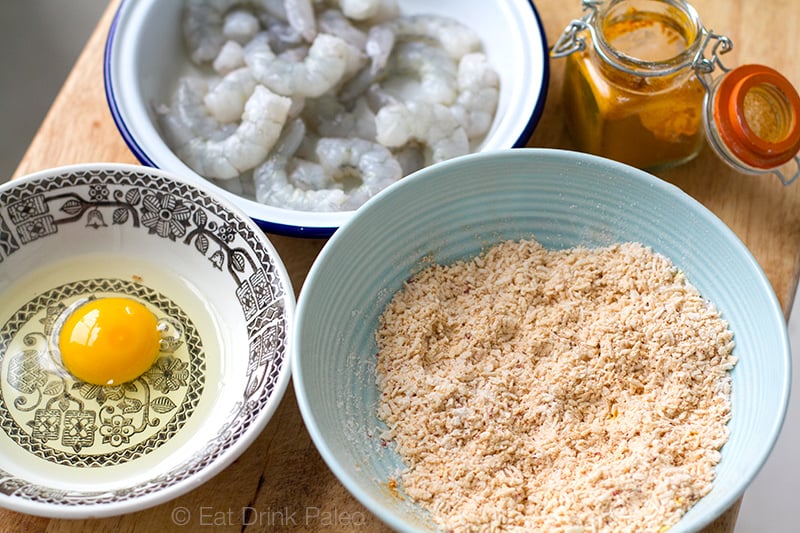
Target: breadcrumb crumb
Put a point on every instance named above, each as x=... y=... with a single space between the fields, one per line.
x=568 y=390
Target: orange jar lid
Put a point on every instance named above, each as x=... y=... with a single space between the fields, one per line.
x=757 y=115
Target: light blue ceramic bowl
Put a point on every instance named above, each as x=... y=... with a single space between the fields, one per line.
x=455 y=209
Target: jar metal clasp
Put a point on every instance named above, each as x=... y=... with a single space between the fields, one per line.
x=570 y=40
x=704 y=67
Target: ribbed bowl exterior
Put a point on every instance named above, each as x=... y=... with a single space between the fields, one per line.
x=454 y=210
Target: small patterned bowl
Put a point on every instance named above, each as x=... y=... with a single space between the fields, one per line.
x=457 y=208
x=70 y=449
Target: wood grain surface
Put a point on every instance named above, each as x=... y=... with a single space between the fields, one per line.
x=281 y=483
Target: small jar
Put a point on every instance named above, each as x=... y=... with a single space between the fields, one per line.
x=638 y=89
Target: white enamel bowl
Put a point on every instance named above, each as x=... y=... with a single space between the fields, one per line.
x=454 y=210
x=145 y=57
x=73 y=450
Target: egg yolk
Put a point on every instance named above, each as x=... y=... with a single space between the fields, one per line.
x=109 y=341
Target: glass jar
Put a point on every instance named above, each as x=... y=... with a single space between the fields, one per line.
x=639 y=89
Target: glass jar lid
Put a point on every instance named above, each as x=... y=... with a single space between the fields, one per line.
x=753 y=118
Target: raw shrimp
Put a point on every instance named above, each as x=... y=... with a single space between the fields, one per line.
x=356 y=85
x=264 y=116
x=300 y=14
x=186 y=117
x=456 y=38
x=310 y=176
x=227 y=97
x=240 y=26
x=415 y=70
x=381 y=95
x=284 y=149
x=274 y=8
x=378 y=97
x=369 y=165
x=330 y=118
x=230 y=57
x=333 y=22
x=241 y=186
x=435 y=72
x=372 y=10
x=273 y=184
x=202 y=29
x=280 y=35
x=433 y=125
x=328 y=59
x=379 y=45
x=204 y=21
x=294 y=55
x=478 y=86
x=288 y=181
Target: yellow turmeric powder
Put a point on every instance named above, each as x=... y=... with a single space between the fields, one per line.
x=645 y=121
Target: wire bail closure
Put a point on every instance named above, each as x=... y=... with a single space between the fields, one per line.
x=704 y=67
x=792 y=179
x=705 y=62
x=570 y=42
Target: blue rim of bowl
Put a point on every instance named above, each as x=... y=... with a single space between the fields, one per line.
x=315 y=232
x=307 y=411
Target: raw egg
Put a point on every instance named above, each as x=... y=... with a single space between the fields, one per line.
x=109 y=341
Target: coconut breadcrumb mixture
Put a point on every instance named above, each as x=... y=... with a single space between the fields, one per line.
x=572 y=390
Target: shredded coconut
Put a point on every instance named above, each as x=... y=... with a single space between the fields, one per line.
x=572 y=390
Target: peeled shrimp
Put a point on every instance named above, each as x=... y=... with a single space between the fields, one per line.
x=378 y=97
x=435 y=72
x=333 y=22
x=274 y=186
x=230 y=57
x=240 y=26
x=414 y=71
x=381 y=94
x=373 y=10
x=478 y=90
x=202 y=29
x=330 y=118
x=456 y=38
x=227 y=97
x=378 y=46
x=433 y=125
x=324 y=66
x=187 y=118
x=204 y=22
x=280 y=35
x=288 y=181
x=264 y=116
x=370 y=164
x=300 y=14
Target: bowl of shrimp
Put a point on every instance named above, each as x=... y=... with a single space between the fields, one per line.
x=299 y=111
x=143 y=324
